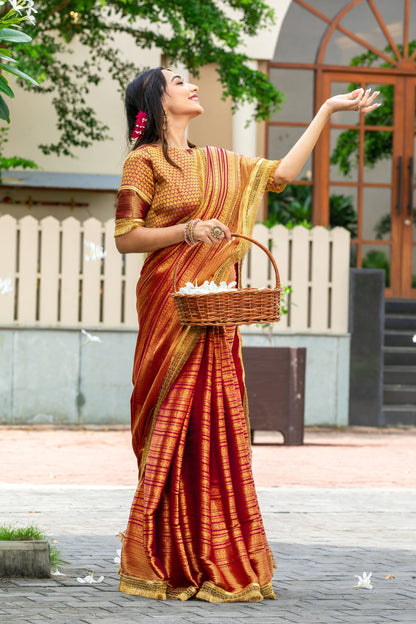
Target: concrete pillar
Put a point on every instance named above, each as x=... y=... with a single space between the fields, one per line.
x=245 y=138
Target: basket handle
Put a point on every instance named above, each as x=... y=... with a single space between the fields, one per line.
x=266 y=251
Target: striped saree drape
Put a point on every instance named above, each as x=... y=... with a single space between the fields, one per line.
x=195 y=527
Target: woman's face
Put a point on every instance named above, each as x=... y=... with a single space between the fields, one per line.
x=181 y=98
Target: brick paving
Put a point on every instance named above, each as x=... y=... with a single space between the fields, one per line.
x=321 y=537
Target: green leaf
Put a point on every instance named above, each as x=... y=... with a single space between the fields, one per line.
x=17 y=72
x=5 y=87
x=10 y=34
x=4 y=110
x=6 y=58
x=6 y=52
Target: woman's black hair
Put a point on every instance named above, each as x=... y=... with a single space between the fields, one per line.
x=145 y=93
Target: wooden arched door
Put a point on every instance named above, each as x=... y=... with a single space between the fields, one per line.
x=372 y=158
x=365 y=164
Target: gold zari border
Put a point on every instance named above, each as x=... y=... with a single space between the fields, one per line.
x=160 y=590
x=252 y=593
x=139 y=192
x=125 y=225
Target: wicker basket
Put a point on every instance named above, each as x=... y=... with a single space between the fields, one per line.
x=242 y=306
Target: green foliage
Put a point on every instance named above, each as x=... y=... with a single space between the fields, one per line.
x=10 y=21
x=10 y=533
x=377 y=260
x=285 y=299
x=293 y=206
x=189 y=32
x=342 y=213
x=383 y=226
x=12 y=162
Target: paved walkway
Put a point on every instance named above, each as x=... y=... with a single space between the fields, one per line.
x=321 y=538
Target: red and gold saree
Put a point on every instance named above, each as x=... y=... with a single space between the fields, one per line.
x=195 y=527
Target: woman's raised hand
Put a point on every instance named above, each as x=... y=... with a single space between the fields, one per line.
x=212 y=231
x=358 y=100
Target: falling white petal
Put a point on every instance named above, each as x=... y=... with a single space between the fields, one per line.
x=118 y=558
x=94 y=251
x=89 y=337
x=57 y=573
x=6 y=286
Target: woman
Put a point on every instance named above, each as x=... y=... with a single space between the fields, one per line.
x=195 y=527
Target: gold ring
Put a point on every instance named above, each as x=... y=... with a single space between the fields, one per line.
x=358 y=107
x=216 y=231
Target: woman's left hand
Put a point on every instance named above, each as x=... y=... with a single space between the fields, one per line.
x=358 y=100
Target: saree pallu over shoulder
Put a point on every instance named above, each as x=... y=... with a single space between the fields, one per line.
x=195 y=527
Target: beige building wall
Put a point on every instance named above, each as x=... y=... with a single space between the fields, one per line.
x=214 y=127
x=41 y=203
x=33 y=121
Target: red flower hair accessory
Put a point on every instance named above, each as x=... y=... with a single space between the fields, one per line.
x=140 y=125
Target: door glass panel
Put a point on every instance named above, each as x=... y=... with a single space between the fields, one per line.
x=329 y=7
x=377 y=257
x=384 y=115
x=412 y=23
x=281 y=141
x=344 y=155
x=378 y=148
x=292 y=83
x=300 y=35
x=392 y=16
x=376 y=213
x=342 y=50
x=414 y=266
x=361 y=21
x=343 y=202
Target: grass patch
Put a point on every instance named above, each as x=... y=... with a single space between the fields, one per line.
x=11 y=533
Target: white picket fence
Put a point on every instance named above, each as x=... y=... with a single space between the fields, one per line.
x=49 y=277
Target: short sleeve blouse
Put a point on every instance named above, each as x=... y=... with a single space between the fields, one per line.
x=136 y=192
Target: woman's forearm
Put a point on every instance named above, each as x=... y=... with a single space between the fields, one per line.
x=292 y=163
x=144 y=240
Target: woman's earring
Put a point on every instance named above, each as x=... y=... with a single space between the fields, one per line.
x=165 y=121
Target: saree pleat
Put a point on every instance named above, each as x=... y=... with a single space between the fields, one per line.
x=195 y=527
